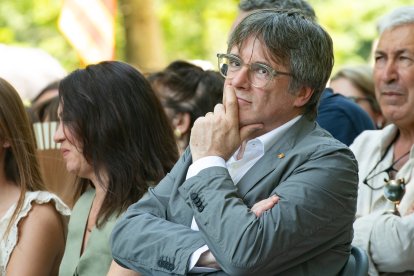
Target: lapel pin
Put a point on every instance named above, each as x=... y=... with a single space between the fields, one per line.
x=281 y=155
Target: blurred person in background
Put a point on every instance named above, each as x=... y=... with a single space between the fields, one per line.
x=356 y=83
x=44 y=117
x=43 y=107
x=247 y=6
x=186 y=92
x=49 y=91
x=384 y=226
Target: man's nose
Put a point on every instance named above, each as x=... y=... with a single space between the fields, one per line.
x=241 y=78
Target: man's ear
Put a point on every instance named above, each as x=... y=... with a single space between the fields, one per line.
x=181 y=122
x=6 y=144
x=303 y=96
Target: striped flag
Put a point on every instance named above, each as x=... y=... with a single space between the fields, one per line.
x=89 y=25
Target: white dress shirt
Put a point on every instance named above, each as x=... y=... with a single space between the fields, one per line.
x=387 y=238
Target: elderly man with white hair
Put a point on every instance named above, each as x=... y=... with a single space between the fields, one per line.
x=385 y=221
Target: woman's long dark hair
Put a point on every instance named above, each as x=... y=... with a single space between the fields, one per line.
x=111 y=109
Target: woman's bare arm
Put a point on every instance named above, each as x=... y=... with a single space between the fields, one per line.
x=40 y=245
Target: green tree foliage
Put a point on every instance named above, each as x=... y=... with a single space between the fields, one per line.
x=352 y=25
x=31 y=23
x=194 y=29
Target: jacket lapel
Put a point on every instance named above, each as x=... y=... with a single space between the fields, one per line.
x=275 y=156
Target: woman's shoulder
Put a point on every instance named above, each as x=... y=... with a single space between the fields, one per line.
x=44 y=210
x=43 y=198
x=41 y=239
x=44 y=216
x=40 y=223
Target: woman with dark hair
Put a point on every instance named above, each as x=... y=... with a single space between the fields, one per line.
x=116 y=138
x=33 y=222
x=186 y=92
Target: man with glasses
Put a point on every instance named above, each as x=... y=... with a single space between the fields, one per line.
x=212 y=213
x=385 y=220
x=342 y=118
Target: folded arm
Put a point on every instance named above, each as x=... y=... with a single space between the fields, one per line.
x=390 y=242
x=311 y=211
x=207 y=259
x=149 y=239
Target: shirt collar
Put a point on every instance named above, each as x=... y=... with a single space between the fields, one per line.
x=269 y=138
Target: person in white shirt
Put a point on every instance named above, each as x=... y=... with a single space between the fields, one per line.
x=386 y=156
x=33 y=221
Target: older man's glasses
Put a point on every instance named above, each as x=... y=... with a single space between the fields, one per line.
x=394 y=189
x=259 y=74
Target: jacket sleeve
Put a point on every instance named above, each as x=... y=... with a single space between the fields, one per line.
x=317 y=205
x=164 y=245
x=388 y=239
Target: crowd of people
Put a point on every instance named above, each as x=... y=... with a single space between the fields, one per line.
x=269 y=165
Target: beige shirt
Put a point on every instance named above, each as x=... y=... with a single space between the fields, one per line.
x=388 y=239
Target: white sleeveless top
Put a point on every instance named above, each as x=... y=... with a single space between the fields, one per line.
x=7 y=245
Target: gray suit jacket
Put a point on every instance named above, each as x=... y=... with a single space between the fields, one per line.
x=308 y=232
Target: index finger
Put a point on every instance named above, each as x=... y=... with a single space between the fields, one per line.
x=230 y=102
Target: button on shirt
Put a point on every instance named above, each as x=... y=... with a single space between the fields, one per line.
x=254 y=150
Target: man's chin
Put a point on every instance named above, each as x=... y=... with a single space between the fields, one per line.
x=244 y=121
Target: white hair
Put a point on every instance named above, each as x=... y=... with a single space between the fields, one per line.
x=400 y=16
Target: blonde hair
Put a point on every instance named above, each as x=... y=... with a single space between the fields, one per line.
x=362 y=77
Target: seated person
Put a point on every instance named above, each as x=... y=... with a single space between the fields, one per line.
x=344 y=119
x=386 y=156
x=115 y=136
x=33 y=222
x=261 y=143
x=356 y=83
x=186 y=92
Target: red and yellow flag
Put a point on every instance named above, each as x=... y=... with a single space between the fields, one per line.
x=89 y=25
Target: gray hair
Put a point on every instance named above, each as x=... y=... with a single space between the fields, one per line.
x=302 y=5
x=398 y=17
x=295 y=41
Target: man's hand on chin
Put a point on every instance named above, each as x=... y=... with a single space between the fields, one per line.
x=218 y=133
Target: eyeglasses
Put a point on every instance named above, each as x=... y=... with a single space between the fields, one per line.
x=259 y=74
x=394 y=189
x=359 y=99
x=388 y=171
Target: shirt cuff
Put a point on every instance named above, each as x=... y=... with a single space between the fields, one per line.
x=204 y=163
x=194 y=259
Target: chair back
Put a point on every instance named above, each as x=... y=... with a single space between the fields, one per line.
x=357 y=264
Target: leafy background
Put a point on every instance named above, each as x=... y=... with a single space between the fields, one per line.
x=191 y=29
